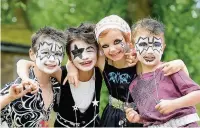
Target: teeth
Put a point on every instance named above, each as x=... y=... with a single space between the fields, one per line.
x=86 y=62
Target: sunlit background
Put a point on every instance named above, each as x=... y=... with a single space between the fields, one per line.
x=20 y=18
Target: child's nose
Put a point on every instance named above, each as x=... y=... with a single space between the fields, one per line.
x=150 y=50
x=51 y=58
x=85 y=56
x=112 y=49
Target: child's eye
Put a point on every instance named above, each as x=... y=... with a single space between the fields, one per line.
x=157 y=44
x=105 y=46
x=58 y=54
x=143 y=44
x=117 y=41
x=45 y=53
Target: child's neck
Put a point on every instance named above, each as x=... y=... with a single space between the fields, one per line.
x=85 y=75
x=147 y=69
x=120 y=63
x=42 y=77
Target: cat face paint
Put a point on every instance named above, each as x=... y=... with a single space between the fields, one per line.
x=49 y=55
x=84 y=56
x=149 y=49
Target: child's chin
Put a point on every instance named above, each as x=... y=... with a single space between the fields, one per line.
x=116 y=58
x=50 y=71
x=153 y=63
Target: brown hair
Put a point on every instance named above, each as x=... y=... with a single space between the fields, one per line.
x=58 y=36
x=153 y=26
x=84 y=32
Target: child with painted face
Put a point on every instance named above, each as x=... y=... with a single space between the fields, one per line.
x=21 y=108
x=162 y=101
x=77 y=106
x=113 y=35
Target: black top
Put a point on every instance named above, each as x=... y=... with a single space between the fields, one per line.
x=67 y=116
x=118 y=81
x=27 y=111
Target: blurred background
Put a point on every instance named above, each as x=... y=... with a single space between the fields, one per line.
x=20 y=18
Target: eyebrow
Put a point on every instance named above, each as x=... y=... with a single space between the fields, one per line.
x=45 y=49
x=90 y=47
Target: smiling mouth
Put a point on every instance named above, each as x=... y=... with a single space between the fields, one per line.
x=51 y=65
x=149 y=59
x=86 y=63
x=113 y=55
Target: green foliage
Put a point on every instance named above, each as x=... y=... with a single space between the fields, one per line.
x=8 y=8
x=182 y=36
x=63 y=13
x=104 y=97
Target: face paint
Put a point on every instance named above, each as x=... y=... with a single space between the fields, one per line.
x=84 y=56
x=149 y=50
x=112 y=45
x=49 y=55
x=125 y=46
x=143 y=44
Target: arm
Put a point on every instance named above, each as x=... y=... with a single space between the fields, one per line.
x=16 y=91
x=173 y=67
x=72 y=75
x=190 y=94
x=23 y=68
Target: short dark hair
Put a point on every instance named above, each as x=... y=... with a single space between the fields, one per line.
x=152 y=25
x=57 y=35
x=84 y=32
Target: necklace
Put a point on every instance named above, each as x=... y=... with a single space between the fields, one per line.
x=152 y=82
x=94 y=102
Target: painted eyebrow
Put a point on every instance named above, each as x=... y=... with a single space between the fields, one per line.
x=90 y=47
x=45 y=49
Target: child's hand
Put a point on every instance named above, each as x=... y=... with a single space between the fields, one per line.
x=72 y=74
x=32 y=85
x=131 y=58
x=17 y=90
x=172 y=67
x=132 y=115
x=166 y=106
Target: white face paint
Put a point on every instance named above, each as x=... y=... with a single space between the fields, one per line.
x=84 y=56
x=149 y=49
x=49 y=55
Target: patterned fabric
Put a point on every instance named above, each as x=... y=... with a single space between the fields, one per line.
x=27 y=111
x=148 y=89
x=112 y=21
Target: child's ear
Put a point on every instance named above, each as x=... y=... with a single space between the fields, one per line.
x=32 y=55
